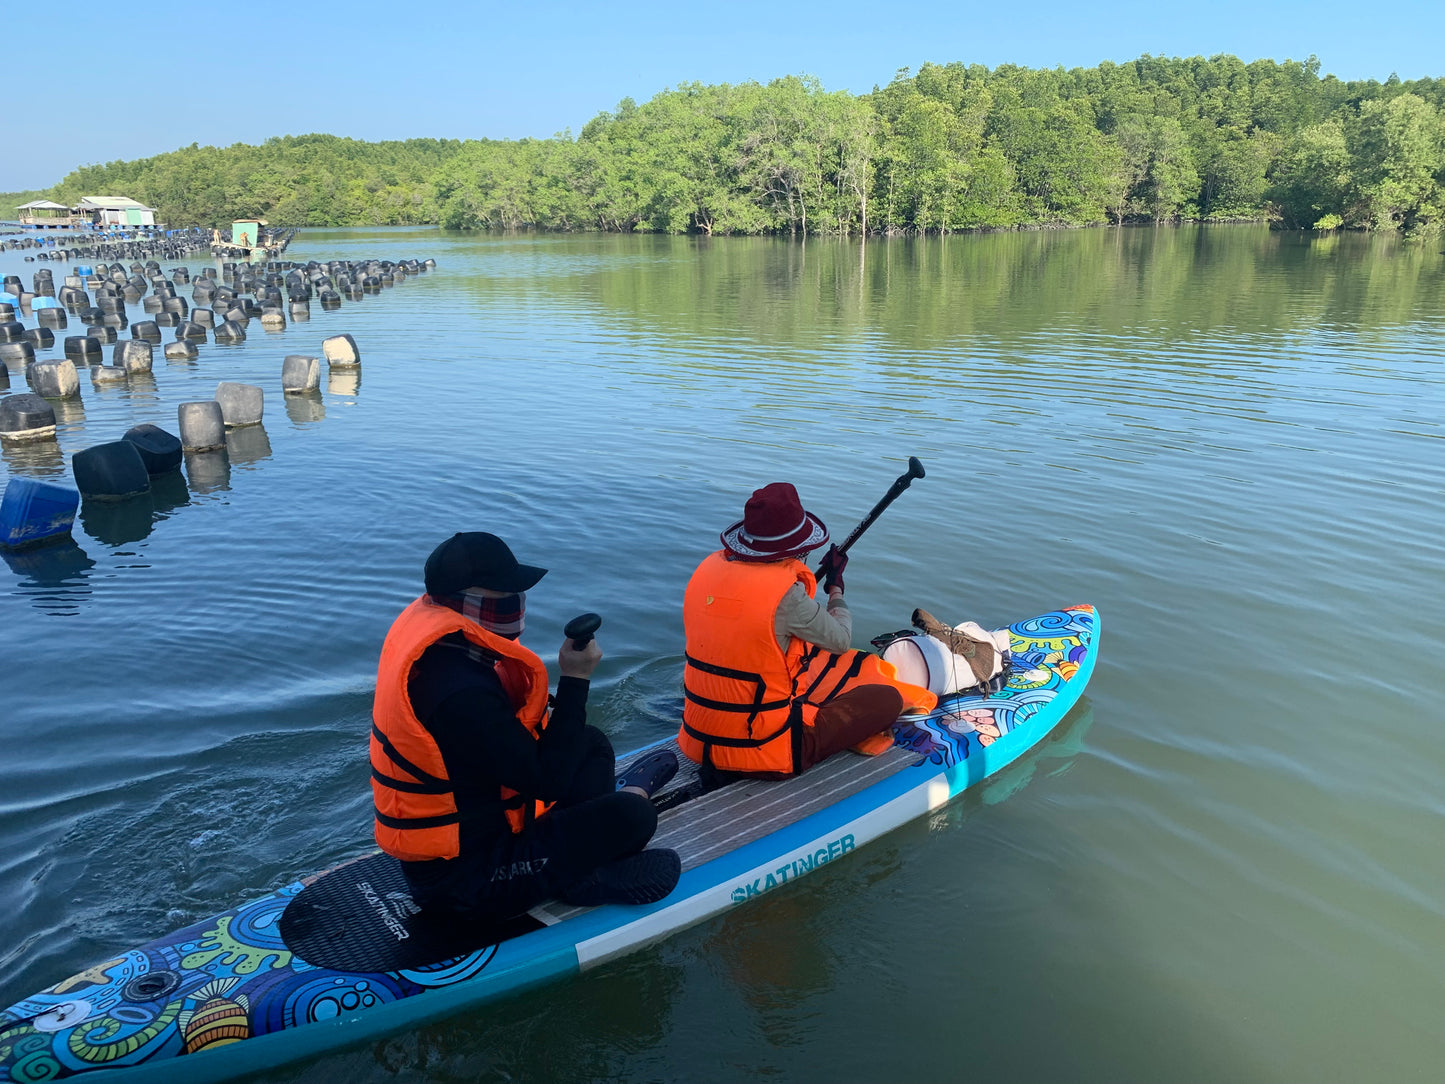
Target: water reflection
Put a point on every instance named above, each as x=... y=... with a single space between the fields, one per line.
x=248 y=444
x=52 y=576
x=208 y=472
x=69 y=413
x=142 y=386
x=305 y=408
x=117 y=522
x=343 y=381
x=168 y=492
x=38 y=458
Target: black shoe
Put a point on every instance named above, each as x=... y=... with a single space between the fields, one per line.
x=650 y=772
x=640 y=878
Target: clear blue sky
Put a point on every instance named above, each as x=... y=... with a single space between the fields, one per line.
x=150 y=77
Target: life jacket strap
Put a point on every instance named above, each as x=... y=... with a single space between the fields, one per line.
x=414 y=823
x=408 y=785
x=752 y=707
x=406 y=765
x=724 y=671
x=737 y=743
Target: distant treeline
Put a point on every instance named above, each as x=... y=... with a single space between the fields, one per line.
x=951 y=147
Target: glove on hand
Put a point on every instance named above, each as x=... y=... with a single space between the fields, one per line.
x=835 y=561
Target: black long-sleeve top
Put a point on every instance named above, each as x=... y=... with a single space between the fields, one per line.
x=461 y=702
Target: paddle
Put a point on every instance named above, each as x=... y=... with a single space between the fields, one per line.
x=904 y=480
x=581 y=629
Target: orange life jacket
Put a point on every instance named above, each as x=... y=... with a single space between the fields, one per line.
x=746 y=698
x=416 y=807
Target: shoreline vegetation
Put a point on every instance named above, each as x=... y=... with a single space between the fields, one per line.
x=949 y=148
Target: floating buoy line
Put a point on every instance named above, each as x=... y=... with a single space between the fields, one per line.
x=111 y=477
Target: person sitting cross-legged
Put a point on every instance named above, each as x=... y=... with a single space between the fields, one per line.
x=492 y=800
x=771 y=684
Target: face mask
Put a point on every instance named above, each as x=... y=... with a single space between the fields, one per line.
x=505 y=616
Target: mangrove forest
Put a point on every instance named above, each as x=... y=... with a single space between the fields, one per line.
x=948 y=147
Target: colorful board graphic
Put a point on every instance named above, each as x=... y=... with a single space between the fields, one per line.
x=230 y=990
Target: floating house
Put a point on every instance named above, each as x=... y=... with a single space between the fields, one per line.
x=44 y=214
x=111 y=211
x=246 y=232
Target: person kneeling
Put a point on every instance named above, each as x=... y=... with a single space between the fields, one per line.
x=492 y=802
x=771 y=684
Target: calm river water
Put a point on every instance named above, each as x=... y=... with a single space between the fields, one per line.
x=1226 y=865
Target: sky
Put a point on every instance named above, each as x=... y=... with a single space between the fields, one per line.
x=138 y=80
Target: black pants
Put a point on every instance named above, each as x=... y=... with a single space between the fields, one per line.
x=591 y=825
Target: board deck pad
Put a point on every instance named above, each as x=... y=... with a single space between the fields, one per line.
x=252 y=988
x=360 y=916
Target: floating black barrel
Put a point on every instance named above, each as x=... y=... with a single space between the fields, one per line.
x=42 y=338
x=54 y=379
x=148 y=330
x=107 y=374
x=26 y=417
x=230 y=332
x=83 y=348
x=134 y=356
x=181 y=350
x=104 y=334
x=205 y=317
x=300 y=373
x=51 y=318
x=190 y=331
x=110 y=472
x=241 y=404
x=159 y=451
x=12 y=331
x=202 y=425
x=341 y=352
x=17 y=355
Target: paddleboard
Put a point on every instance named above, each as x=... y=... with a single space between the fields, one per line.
x=346 y=956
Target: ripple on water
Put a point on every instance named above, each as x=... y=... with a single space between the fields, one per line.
x=1227 y=439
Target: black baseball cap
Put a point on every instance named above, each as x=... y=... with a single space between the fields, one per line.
x=477 y=559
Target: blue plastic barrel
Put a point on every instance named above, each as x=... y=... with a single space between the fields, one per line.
x=32 y=511
x=41 y=302
x=84 y=272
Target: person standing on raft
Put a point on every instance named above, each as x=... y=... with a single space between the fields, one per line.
x=492 y=801
x=771 y=684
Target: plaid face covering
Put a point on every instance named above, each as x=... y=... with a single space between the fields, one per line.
x=505 y=616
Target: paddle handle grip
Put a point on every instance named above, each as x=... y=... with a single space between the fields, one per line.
x=581 y=629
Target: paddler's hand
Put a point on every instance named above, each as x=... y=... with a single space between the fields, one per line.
x=832 y=566
x=578 y=664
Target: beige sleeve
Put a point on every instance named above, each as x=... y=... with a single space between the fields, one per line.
x=804 y=617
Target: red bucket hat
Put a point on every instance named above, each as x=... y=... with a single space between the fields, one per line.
x=774 y=526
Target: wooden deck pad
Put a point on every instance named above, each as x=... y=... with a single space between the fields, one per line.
x=713 y=824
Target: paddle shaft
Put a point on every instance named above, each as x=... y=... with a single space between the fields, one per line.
x=902 y=482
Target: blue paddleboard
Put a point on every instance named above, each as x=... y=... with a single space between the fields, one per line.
x=237 y=994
